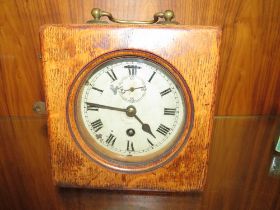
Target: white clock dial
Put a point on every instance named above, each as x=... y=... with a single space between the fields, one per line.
x=132 y=107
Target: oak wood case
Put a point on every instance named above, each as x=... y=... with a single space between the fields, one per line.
x=193 y=51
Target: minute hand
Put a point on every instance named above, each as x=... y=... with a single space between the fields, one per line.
x=105 y=107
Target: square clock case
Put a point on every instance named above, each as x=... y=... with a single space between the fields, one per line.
x=130 y=106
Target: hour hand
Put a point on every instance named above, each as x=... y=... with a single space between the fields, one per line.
x=145 y=126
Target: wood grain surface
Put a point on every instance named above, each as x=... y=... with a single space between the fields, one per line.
x=238 y=176
x=66 y=49
x=249 y=74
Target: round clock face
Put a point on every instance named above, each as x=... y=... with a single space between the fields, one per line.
x=130 y=111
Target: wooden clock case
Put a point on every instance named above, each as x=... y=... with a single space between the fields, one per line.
x=193 y=51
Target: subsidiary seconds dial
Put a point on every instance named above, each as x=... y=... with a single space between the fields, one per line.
x=130 y=110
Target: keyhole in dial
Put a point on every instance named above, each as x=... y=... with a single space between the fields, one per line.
x=130 y=132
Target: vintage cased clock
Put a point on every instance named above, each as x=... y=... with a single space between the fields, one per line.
x=130 y=106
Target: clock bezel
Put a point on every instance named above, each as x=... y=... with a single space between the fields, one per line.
x=117 y=165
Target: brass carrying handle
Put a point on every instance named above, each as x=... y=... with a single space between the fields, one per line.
x=97 y=13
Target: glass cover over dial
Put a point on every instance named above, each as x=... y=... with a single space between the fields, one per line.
x=130 y=110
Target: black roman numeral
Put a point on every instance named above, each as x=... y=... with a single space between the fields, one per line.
x=88 y=83
x=163 y=129
x=101 y=91
x=152 y=76
x=169 y=111
x=132 y=69
x=91 y=108
x=111 y=139
x=165 y=92
x=129 y=146
x=150 y=142
x=97 y=125
x=112 y=75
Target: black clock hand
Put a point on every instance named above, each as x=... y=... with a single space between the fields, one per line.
x=139 y=87
x=132 y=89
x=105 y=107
x=130 y=111
x=145 y=127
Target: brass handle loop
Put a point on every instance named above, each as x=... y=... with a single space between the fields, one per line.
x=97 y=13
